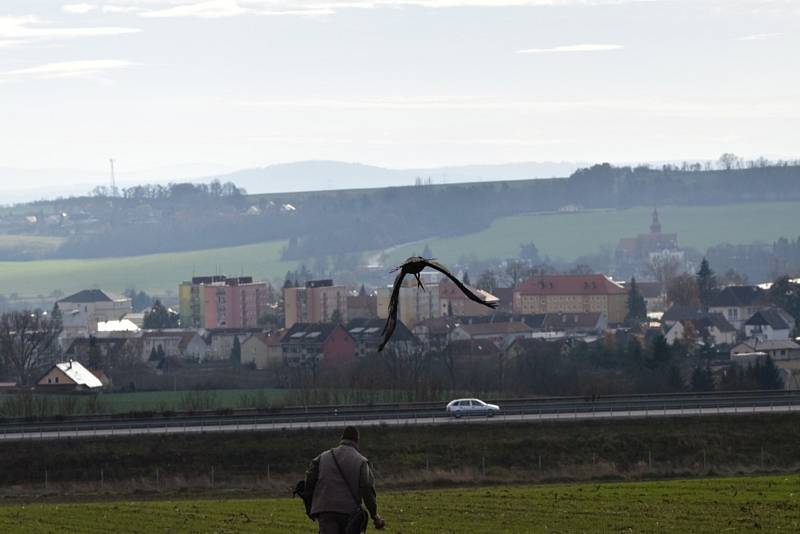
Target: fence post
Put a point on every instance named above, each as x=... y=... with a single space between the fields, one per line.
x=45 y=479
x=483 y=466
x=212 y=476
x=268 y=475
x=540 y=462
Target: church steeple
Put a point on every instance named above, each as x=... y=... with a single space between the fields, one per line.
x=655 y=226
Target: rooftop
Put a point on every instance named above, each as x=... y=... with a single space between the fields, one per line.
x=93 y=295
x=590 y=284
x=737 y=296
x=79 y=374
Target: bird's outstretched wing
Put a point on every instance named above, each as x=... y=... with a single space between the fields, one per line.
x=464 y=289
x=394 y=301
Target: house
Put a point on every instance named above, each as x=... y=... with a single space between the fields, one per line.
x=262 y=350
x=69 y=376
x=679 y=313
x=434 y=334
x=368 y=335
x=777 y=349
x=654 y=294
x=572 y=294
x=82 y=311
x=453 y=301
x=739 y=303
x=175 y=343
x=769 y=324
x=314 y=343
x=122 y=325
x=709 y=325
x=221 y=340
x=500 y=334
x=575 y=323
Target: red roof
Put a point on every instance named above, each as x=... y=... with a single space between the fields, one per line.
x=568 y=284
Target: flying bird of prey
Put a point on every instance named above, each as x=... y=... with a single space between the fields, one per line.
x=415 y=265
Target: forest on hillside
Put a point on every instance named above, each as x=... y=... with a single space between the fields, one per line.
x=155 y=219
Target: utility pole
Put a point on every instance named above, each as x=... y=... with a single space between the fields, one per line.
x=113 y=178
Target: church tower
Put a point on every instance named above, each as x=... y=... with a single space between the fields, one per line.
x=655 y=226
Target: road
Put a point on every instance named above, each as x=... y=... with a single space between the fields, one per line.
x=525 y=410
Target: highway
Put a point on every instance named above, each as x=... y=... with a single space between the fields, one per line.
x=516 y=410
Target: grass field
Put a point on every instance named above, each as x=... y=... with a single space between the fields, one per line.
x=768 y=504
x=570 y=235
x=29 y=244
x=178 y=400
x=558 y=235
x=157 y=273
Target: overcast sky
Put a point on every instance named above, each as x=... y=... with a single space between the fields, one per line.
x=398 y=83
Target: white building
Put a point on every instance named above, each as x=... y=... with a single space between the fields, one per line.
x=82 y=311
x=69 y=375
x=772 y=324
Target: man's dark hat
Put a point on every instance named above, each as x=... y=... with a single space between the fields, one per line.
x=350 y=433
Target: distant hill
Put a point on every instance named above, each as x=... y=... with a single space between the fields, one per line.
x=328 y=175
x=340 y=223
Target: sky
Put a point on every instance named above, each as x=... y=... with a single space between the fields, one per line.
x=217 y=85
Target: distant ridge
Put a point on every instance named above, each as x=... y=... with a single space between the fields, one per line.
x=317 y=175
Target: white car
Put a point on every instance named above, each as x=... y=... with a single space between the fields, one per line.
x=460 y=407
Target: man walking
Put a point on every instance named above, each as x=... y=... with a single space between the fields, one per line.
x=340 y=479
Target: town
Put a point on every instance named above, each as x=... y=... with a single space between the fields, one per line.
x=670 y=327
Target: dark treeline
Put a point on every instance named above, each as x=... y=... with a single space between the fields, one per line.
x=152 y=219
x=620 y=363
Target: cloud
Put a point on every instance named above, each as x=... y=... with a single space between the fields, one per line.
x=22 y=30
x=232 y=8
x=759 y=37
x=206 y=9
x=112 y=8
x=78 y=9
x=689 y=107
x=67 y=69
x=571 y=48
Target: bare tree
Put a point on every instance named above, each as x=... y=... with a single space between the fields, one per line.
x=28 y=339
x=729 y=161
x=515 y=272
x=682 y=290
x=664 y=268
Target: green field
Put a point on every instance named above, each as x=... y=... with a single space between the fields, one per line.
x=144 y=401
x=567 y=236
x=767 y=504
x=557 y=235
x=156 y=273
x=35 y=245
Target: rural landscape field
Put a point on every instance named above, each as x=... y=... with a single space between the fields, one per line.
x=566 y=236
x=766 y=504
x=561 y=236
